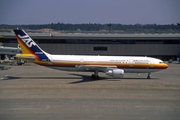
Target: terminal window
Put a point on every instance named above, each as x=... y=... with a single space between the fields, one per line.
x=100 y=48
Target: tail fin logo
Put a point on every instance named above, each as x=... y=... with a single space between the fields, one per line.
x=27 y=40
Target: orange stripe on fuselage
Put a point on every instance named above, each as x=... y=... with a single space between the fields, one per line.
x=72 y=64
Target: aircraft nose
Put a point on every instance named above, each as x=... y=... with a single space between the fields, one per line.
x=165 y=66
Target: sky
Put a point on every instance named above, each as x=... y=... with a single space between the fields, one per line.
x=89 y=11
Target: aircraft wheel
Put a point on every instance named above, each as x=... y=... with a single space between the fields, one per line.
x=94 y=77
x=149 y=76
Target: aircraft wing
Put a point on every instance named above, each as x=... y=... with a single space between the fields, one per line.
x=96 y=67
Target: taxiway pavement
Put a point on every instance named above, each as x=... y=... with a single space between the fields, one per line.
x=34 y=92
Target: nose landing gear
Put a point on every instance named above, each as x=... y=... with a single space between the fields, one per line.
x=149 y=75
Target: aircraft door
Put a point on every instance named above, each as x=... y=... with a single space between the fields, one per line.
x=50 y=60
x=131 y=62
x=151 y=63
x=81 y=61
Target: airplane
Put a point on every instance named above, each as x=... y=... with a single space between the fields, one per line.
x=114 y=66
x=9 y=50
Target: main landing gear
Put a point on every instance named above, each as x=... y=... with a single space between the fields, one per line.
x=95 y=76
x=149 y=75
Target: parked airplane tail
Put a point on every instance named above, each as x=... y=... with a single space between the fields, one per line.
x=29 y=48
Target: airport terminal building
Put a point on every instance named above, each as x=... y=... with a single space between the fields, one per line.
x=163 y=46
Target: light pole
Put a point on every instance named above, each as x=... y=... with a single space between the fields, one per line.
x=178 y=24
x=109 y=25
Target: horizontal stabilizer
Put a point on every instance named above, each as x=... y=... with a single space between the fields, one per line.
x=25 y=56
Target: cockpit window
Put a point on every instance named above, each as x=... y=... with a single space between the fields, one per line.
x=161 y=62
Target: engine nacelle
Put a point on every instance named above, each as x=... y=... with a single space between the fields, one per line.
x=116 y=73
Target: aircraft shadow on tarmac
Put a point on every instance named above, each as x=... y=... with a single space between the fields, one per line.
x=86 y=78
x=79 y=77
x=83 y=78
x=14 y=77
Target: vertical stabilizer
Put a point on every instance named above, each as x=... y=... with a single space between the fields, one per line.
x=28 y=46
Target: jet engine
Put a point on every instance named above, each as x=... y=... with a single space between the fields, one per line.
x=115 y=73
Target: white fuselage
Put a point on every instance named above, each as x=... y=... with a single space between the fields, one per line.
x=129 y=64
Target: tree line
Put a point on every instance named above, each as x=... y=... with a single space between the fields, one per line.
x=90 y=27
